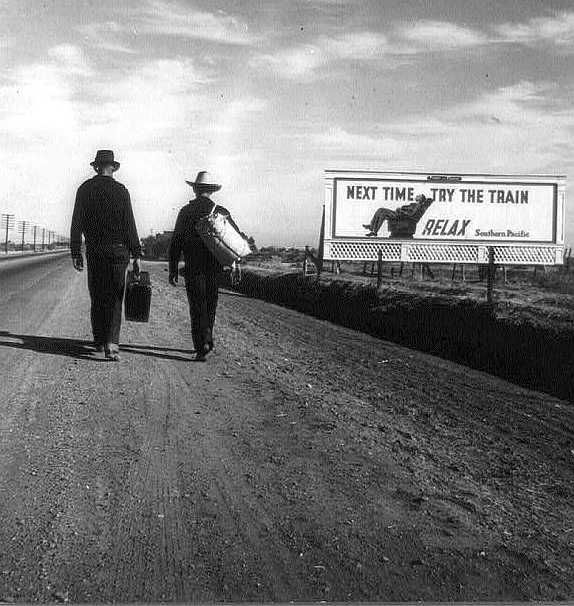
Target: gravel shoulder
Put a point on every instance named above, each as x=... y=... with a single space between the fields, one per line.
x=303 y=461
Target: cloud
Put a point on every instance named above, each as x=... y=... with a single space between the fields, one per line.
x=557 y=30
x=159 y=17
x=304 y=61
x=437 y=36
x=165 y=18
x=518 y=129
x=341 y=143
x=159 y=116
x=108 y=35
x=71 y=58
x=37 y=104
x=235 y=113
x=149 y=103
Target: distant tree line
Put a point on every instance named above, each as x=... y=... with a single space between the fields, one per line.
x=285 y=254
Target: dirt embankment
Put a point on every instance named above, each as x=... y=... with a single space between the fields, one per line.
x=507 y=343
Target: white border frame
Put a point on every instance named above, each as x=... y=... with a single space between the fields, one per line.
x=441 y=251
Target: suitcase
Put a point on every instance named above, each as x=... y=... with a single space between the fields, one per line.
x=138 y=297
x=224 y=242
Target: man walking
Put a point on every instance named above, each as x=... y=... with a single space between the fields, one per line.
x=103 y=214
x=202 y=270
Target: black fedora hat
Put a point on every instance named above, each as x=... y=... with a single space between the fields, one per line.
x=105 y=156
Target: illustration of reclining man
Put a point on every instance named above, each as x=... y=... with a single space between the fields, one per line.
x=402 y=222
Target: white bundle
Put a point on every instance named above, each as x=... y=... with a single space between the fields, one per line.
x=221 y=238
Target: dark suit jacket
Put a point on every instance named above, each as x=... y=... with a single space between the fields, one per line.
x=103 y=213
x=404 y=224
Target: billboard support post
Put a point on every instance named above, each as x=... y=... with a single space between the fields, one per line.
x=379 y=268
x=490 y=275
x=321 y=249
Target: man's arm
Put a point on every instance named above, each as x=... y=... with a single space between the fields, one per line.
x=131 y=230
x=77 y=225
x=176 y=245
x=422 y=205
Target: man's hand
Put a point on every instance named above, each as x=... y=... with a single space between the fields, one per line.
x=235 y=277
x=173 y=278
x=136 y=267
x=78 y=262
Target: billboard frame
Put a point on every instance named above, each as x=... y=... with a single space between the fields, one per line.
x=506 y=252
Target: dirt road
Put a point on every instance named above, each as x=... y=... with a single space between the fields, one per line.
x=303 y=461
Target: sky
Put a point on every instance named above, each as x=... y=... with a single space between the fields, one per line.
x=267 y=94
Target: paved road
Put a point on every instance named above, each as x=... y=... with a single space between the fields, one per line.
x=303 y=461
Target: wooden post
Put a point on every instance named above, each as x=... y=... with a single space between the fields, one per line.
x=321 y=249
x=490 y=275
x=379 y=268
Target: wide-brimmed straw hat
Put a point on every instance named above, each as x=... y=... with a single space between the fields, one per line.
x=204 y=181
x=105 y=156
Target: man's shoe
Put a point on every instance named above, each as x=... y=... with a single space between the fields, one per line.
x=203 y=351
x=367 y=226
x=112 y=353
x=371 y=234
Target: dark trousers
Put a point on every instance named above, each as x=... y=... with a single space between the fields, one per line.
x=202 y=291
x=380 y=216
x=106 y=283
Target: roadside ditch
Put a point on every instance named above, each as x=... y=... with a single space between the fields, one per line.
x=536 y=355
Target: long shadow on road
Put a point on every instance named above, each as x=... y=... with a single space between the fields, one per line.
x=80 y=349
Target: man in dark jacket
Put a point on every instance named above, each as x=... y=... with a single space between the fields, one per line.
x=402 y=222
x=103 y=214
x=202 y=270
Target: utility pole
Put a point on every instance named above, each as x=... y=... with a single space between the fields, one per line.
x=22 y=227
x=7 y=224
x=35 y=230
x=43 y=237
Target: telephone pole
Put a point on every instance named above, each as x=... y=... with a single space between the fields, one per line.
x=7 y=224
x=22 y=227
x=35 y=230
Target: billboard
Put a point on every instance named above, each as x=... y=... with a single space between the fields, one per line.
x=481 y=210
